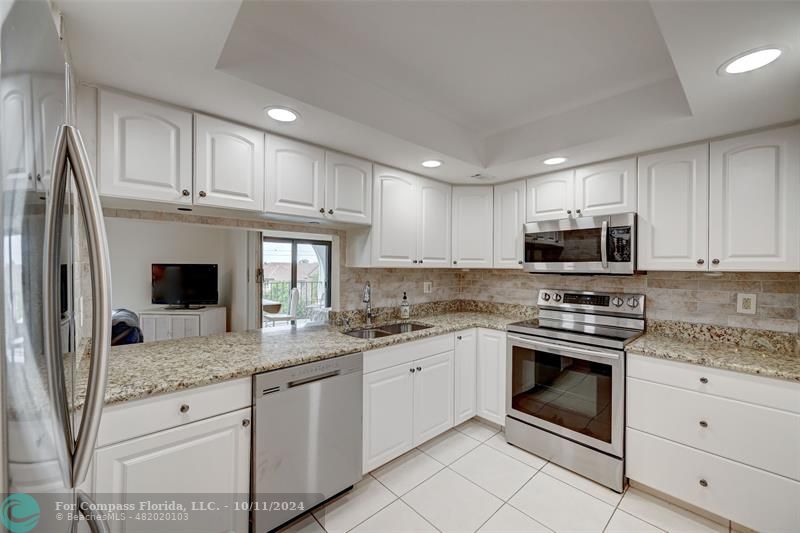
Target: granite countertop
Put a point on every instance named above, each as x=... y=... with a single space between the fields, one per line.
x=140 y=370
x=762 y=361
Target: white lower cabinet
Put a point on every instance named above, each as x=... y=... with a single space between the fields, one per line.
x=491 y=371
x=161 y=324
x=465 y=368
x=388 y=415
x=723 y=441
x=211 y=457
x=433 y=396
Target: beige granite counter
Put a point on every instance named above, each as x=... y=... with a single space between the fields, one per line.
x=762 y=361
x=140 y=370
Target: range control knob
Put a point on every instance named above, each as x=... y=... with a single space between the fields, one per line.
x=545 y=297
x=557 y=297
x=617 y=301
x=633 y=303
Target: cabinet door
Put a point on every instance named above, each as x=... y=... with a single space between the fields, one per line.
x=49 y=109
x=295 y=184
x=465 y=372
x=755 y=192
x=550 y=197
x=434 y=219
x=606 y=188
x=229 y=165
x=348 y=189
x=388 y=415
x=673 y=209
x=145 y=149
x=433 y=396
x=509 y=218
x=184 y=326
x=472 y=227
x=394 y=228
x=168 y=462
x=17 y=135
x=492 y=375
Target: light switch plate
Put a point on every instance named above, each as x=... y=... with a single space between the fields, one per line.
x=746 y=303
x=427 y=287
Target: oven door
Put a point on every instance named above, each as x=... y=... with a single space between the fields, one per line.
x=570 y=390
x=586 y=245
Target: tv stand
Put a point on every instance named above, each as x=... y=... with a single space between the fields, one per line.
x=184 y=307
x=161 y=323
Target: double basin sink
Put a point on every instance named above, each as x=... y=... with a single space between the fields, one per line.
x=385 y=331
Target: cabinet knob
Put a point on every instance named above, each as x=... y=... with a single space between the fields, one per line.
x=455 y=262
x=459 y=337
x=703 y=424
x=184 y=408
x=519 y=262
x=411 y=370
x=38 y=177
x=419 y=369
x=569 y=211
x=202 y=194
x=330 y=211
x=185 y=192
x=577 y=211
x=245 y=422
x=703 y=380
x=420 y=261
x=703 y=483
x=414 y=261
x=701 y=261
x=30 y=177
x=322 y=210
x=715 y=261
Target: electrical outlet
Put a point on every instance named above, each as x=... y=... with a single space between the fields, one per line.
x=427 y=287
x=746 y=303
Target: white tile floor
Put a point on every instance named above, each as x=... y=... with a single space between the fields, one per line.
x=469 y=479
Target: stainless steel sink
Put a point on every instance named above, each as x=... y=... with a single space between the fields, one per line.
x=385 y=331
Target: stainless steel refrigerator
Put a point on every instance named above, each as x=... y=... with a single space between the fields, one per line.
x=56 y=296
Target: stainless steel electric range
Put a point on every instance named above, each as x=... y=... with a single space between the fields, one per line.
x=565 y=398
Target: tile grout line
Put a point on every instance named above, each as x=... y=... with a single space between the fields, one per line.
x=400 y=498
x=507 y=502
x=376 y=512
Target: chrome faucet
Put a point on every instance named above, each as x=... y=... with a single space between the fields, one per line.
x=367 y=299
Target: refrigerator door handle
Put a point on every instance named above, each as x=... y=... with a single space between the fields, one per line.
x=99 y=264
x=70 y=148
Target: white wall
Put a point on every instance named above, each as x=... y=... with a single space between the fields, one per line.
x=134 y=245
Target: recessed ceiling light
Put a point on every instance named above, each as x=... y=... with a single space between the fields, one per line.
x=555 y=160
x=282 y=114
x=431 y=163
x=750 y=60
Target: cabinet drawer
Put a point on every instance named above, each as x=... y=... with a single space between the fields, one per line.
x=141 y=417
x=758 y=436
x=746 y=495
x=407 y=352
x=760 y=390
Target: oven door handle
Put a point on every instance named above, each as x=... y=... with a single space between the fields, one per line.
x=604 y=243
x=564 y=350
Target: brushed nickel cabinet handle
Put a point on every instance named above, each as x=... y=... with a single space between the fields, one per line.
x=245 y=422
x=330 y=211
x=715 y=261
x=184 y=408
x=185 y=192
x=202 y=194
x=703 y=483
x=322 y=210
x=411 y=370
x=701 y=261
x=419 y=369
x=703 y=380
x=703 y=424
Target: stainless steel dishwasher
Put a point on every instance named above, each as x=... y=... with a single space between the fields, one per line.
x=307 y=437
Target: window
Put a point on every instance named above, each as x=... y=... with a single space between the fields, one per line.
x=295 y=263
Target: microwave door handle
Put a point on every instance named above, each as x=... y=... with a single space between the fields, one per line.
x=99 y=263
x=51 y=306
x=604 y=243
x=563 y=350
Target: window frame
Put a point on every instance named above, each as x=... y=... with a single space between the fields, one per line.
x=293 y=276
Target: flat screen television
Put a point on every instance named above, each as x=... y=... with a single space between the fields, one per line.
x=182 y=285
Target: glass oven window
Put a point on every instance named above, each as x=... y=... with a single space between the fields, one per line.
x=573 y=246
x=567 y=391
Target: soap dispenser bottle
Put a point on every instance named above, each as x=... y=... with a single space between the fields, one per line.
x=405 y=307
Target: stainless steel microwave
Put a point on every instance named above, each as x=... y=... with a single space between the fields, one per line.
x=584 y=245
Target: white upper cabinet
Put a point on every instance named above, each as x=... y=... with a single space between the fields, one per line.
x=509 y=218
x=673 y=209
x=17 y=135
x=550 y=196
x=754 y=198
x=229 y=165
x=472 y=226
x=348 y=189
x=606 y=188
x=49 y=111
x=433 y=223
x=145 y=149
x=395 y=226
x=295 y=180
